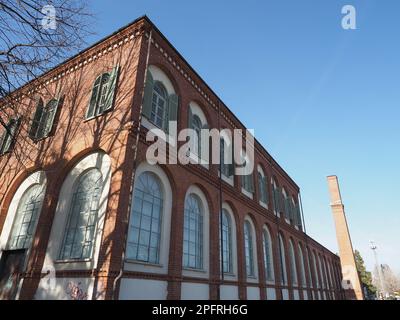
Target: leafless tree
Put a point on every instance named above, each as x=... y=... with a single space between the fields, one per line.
x=36 y=35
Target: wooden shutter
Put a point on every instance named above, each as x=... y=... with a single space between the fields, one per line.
x=10 y=134
x=251 y=183
x=94 y=98
x=173 y=103
x=36 y=119
x=265 y=182
x=50 y=117
x=148 y=95
x=112 y=87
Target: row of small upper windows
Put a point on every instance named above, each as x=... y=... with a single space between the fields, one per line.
x=43 y=121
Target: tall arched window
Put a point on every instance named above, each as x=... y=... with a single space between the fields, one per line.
x=268 y=261
x=315 y=270
x=282 y=260
x=79 y=233
x=227 y=260
x=320 y=271
x=302 y=267
x=145 y=225
x=26 y=218
x=293 y=269
x=193 y=233
x=309 y=268
x=248 y=248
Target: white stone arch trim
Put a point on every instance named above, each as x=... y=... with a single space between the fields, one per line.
x=36 y=178
x=271 y=253
x=254 y=243
x=204 y=273
x=198 y=111
x=166 y=190
x=234 y=274
x=159 y=75
x=96 y=160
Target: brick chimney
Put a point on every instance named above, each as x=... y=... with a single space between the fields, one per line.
x=351 y=281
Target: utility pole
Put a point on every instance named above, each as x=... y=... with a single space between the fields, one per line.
x=378 y=267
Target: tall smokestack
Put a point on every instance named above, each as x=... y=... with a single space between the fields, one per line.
x=351 y=281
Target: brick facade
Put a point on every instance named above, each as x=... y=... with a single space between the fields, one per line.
x=115 y=134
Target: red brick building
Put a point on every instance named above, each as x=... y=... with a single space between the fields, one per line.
x=85 y=216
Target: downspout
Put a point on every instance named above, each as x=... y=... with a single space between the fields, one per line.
x=125 y=234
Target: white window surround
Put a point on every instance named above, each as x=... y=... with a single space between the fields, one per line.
x=203 y=273
x=271 y=255
x=197 y=111
x=254 y=242
x=38 y=177
x=97 y=160
x=233 y=275
x=162 y=267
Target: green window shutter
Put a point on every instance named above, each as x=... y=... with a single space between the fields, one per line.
x=112 y=87
x=51 y=113
x=173 y=103
x=190 y=118
x=94 y=98
x=231 y=167
x=251 y=183
x=148 y=95
x=265 y=182
x=10 y=135
x=36 y=119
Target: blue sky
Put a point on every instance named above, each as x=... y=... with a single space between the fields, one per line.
x=322 y=100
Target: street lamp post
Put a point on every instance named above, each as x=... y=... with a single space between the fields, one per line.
x=382 y=287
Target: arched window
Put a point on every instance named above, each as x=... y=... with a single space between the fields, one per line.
x=268 y=261
x=227 y=260
x=145 y=225
x=102 y=93
x=315 y=270
x=309 y=268
x=262 y=187
x=82 y=219
x=302 y=267
x=293 y=269
x=26 y=218
x=193 y=233
x=248 y=248
x=43 y=119
x=320 y=271
x=282 y=260
x=247 y=177
x=159 y=105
